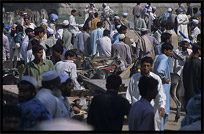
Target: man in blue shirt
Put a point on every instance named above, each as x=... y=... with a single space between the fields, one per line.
x=141 y=115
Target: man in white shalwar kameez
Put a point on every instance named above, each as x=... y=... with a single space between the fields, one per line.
x=195 y=31
x=151 y=18
x=96 y=34
x=133 y=95
x=104 y=44
x=182 y=23
x=68 y=66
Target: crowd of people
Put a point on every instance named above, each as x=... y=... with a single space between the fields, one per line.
x=167 y=44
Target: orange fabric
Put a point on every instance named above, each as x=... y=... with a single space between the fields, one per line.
x=94 y=23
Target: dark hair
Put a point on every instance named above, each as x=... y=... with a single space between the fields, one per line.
x=58 y=48
x=38 y=30
x=99 y=24
x=36 y=48
x=67 y=26
x=106 y=32
x=27 y=30
x=146 y=85
x=166 y=46
x=73 y=11
x=26 y=17
x=196 y=47
x=122 y=28
x=163 y=24
x=11 y=110
x=19 y=28
x=195 y=9
x=96 y=14
x=113 y=82
x=169 y=26
x=146 y=59
x=60 y=41
x=70 y=53
x=85 y=28
x=199 y=37
x=31 y=87
x=165 y=37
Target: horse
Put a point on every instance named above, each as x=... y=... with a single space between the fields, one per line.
x=175 y=89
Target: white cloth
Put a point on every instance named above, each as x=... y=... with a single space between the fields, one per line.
x=59 y=34
x=151 y=19
x=194 y=34
x=6 y=50
x=33 y=26
x=73 y=26
x=104 y=46
x=133 y=95
x=182 y=26
x=68 y=67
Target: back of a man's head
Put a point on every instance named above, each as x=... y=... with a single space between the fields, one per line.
x=113 y=82
x=38 y=30
x=148 y=86
x=165 y=37
x=106 y=32
x=69 y=53
x=147 y=60
x=99 y=24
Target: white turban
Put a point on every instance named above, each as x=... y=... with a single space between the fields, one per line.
x=122 y=36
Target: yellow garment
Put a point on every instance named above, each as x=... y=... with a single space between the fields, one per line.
x=124 y=21
x=94 y=23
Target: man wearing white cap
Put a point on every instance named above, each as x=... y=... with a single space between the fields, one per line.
x=168 y=17
x=51 y=39
x=33 y=110
x=144 y=45
x=123 y=50
x=186 y=52
x=116 y=22
x=144 y=11
x=50 y=85
x=195 y=31
x=124 y=20
x=136 y=9
x=182 y=22
x=107 y=13
x=65 y=35
x=151 y=18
